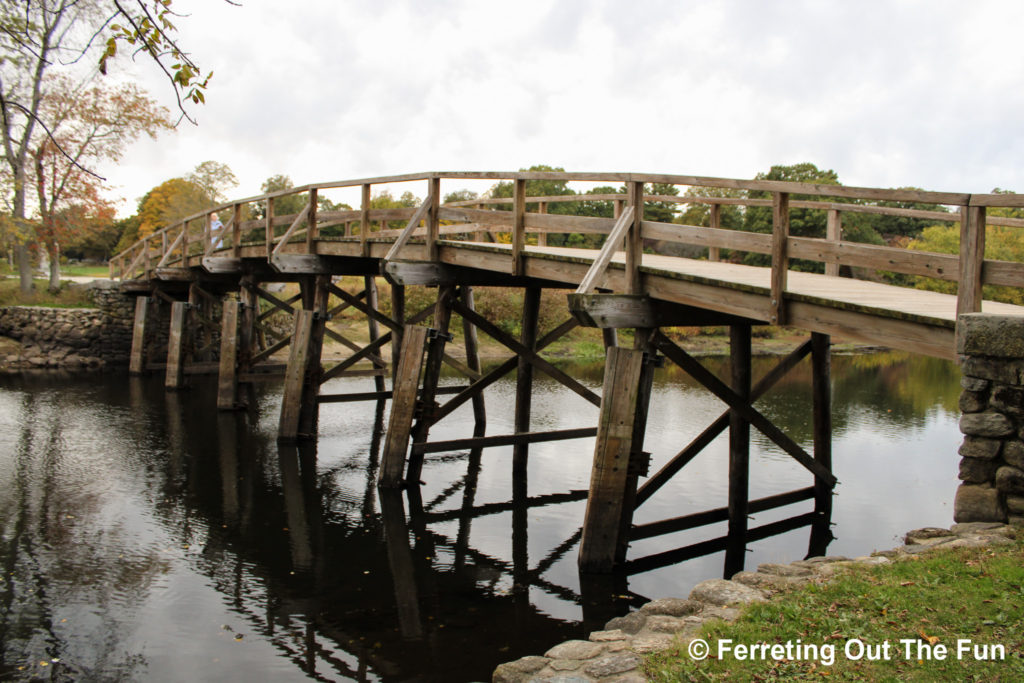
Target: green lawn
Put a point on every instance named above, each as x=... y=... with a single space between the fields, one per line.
x=950 y=615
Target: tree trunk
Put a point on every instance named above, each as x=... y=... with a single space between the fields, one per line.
x=24 y=259
x=54 y=250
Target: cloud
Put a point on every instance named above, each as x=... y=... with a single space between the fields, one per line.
x=888 y=94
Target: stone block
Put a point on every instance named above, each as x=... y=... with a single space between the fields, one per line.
x=1015 y=505
x=973 y=401
x=575 y=649
x=519 y=670
x=984 y=334
x=977 y=503
x=1013 y=453
x=974 y=383
x=980 y=447
x=673 y=607
x=977 y=470
x=1010 y=480
x=1008 y=399
x=988 y=424
x=618 y=663
x=996 y=369
x=723 y=592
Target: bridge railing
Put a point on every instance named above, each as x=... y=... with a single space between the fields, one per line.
x=254 y=221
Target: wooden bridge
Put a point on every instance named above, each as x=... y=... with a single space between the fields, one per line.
x=197 y=268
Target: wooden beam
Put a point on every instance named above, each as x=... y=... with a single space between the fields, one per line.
x=176 y=342
x=972 y=255
x=364 y=220
x=833 y=233
x=694 y=448
x=765 y=426
x=413 y=223
x=739 y=449
x=471 y=342
x=516 y=439
x=137 y=358
x=634 y=239
x=518 y=224
x=715 y=223
x=604 y=257
x=431 y=377
x=821 y=391
x=403 y=406
x=298 y=359
x=780 y=257
x=601 y=547
x=227 y=380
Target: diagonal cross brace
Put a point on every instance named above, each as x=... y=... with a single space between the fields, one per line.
x=532 y=356
x=683 y=457
x=497 y=373
x=741 y=406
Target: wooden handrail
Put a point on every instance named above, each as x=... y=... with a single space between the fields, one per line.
x=604 y=257
x=409 y=228
x=283 y=239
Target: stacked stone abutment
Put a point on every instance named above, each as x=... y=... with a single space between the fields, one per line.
x=991 y=350
x=70 y=338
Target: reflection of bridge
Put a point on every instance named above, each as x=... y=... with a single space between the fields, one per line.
x=192 y=267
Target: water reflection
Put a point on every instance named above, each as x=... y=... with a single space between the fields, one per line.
x=147 y=536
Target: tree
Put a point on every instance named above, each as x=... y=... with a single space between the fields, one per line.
x=730 y=215
x=89 y=125
x=459 y=196
x=37 y=36
x=215 y=178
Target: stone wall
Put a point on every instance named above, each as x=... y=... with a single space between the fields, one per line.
x=991 y=349
x=70 y=338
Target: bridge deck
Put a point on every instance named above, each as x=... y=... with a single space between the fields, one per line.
x=888 y=315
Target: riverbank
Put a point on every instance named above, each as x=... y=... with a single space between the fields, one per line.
x=943 y=591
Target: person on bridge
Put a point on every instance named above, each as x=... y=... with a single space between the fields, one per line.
x=215 y=231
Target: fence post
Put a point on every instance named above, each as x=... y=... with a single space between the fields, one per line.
x=518 y=225
x=972 y=257
x=715 y=222
x=634 y=239
x=364 y=221
x=780 y=256
x=833 y=233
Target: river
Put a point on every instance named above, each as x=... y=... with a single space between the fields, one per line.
x=144 y=535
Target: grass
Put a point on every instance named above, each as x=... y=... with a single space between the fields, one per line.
x=932 y=601
x=67 y=297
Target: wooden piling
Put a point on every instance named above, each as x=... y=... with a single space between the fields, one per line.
x=176 y=343
x=473 y=362
x=137 y=360
x=602 y=544
x=403 y=405
x=397 y=314
x=227 y=380
x=298 y=359
x=524 y=370
x=739 y=450
x=309 y=409
x=370 y=284
x=431 y=377
x=821 y=390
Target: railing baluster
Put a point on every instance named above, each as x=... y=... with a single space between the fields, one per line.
x=780 y=257
x=269 y=232
x=715 y=222
x=433 y=217
x=634 y=239
x=364 y=221
x=972 y=257
x=518 y=225
x=236 y=230
x=833 y=233
x=311 y=232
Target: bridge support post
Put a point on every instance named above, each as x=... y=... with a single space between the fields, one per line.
x=473 y=362
x=821 y=389
x=739 y=450
x=403 y=405
x=227 y=378
x=398 y=314
x=177 y=341
x=431 y=376
x=298 y=363
x=137 y=359
x=620 y=433
x=370 y=284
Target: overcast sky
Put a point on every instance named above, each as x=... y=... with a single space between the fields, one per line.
x=888 y=94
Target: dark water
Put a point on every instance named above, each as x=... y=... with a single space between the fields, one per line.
x=146 y=536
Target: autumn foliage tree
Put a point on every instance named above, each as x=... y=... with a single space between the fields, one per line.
x=89 y=125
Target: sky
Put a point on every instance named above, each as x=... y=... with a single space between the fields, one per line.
x=889 y=93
